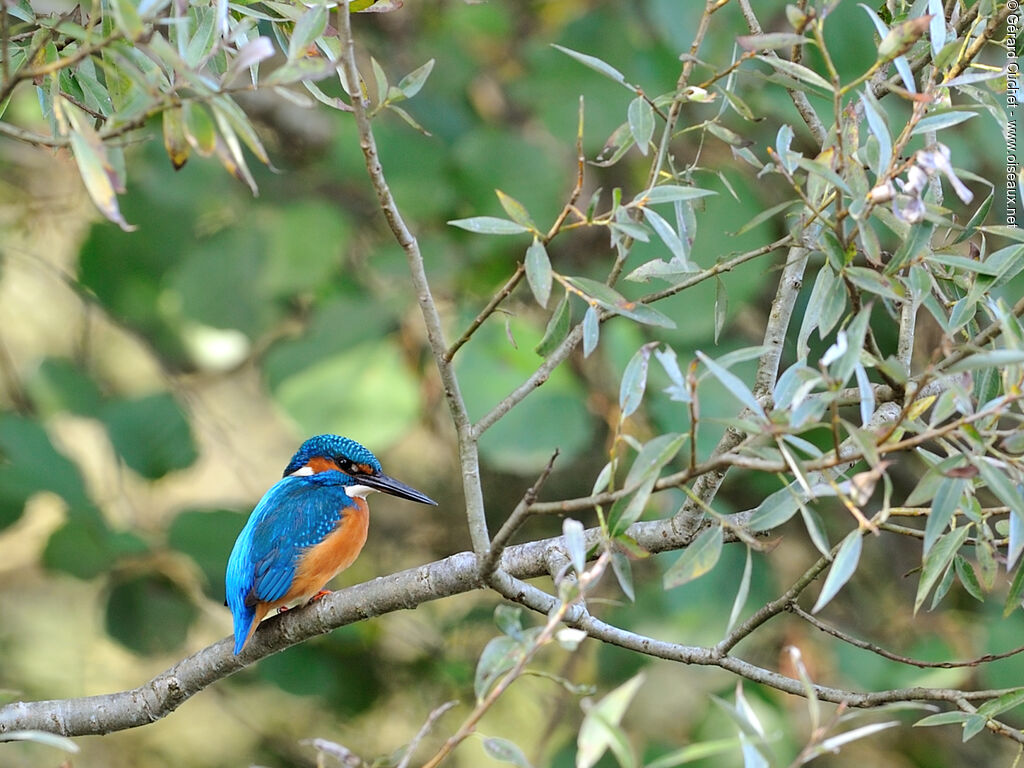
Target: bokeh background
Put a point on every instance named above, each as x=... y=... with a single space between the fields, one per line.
x=154 y=384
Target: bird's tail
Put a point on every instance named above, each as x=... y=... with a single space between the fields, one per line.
x=245 y=622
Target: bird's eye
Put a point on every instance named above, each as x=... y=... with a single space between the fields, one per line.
x=345 y=465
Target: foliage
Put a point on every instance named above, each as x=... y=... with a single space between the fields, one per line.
x=786 y=343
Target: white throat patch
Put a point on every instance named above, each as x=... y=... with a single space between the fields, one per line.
x=302 y=472
x=358 y=491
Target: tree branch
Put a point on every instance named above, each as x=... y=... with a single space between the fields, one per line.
x=468 y=453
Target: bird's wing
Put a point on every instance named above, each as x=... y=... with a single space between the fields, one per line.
x=291 y=517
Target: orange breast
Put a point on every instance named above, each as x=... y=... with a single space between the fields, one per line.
x=339 y=549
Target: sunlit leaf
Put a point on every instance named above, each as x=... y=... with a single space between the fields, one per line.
x=308 y=28
x=697 y=559
x=596 y=734
x=641 y=123
x=796 y=71
x=938 y=121
x=411 y=84
x=595 y=64
x=489 y=225
x=174 y=137
x=938 y=560
x=634 y=380
x=843 y=567
x=505 y=751
x=591 y=330
x=516 y=211
x=94 y=166
x=734 y=384
x=538 y=271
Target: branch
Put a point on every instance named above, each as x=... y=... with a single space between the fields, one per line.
x=878 y=650
x=468 y=453
x=800 y=100
x=157 y=698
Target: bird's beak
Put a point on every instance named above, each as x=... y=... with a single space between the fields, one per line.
x=381 y=482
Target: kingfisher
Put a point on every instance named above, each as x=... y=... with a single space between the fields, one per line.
x=307 y=528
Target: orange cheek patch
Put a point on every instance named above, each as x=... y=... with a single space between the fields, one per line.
x=320 y=464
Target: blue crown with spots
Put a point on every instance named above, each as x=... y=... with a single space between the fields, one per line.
x=331 y=447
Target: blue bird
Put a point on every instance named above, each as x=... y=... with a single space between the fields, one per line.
x=307 y=528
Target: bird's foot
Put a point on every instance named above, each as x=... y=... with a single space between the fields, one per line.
x=318 y=596
x=282 y=609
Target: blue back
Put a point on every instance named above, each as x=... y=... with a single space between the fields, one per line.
x=295 y=514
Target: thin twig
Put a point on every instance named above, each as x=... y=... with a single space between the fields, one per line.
x=878 y=650
x=515 y=520
x=800 y=100
x=468 y=451
x=432 y=718
x=487 y=311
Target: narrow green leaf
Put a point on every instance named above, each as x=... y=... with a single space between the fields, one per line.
x=721 y=306
x=771 y=40
x=557 y=328
x=943 y=718
x=968 y=578
x=1015 y=593
x=818 y=168
x=879 y=127
x=655 y=454
x=628 y=509
x=591 y=330
x=623 y=571
x=796 y=71
x=199 y=129
x=505 y=751
x=202 y=42
x=974 y=725
x=41 y=737
x=311 y=25
x=667 y=234
x=641 y=123
x=937 y=560
x=698 y=558
x=489 y=225
x=595 y=736
x=843 y=567
x=498 y=657
x=734 y=384
x=1001 y=485
x=947 y=498
x=412 y=83
x=870 y=281
x=693 y=752
x=936 y=122
x=634 y=380
x=996 y=358
x=668 y=193
x=741 y=594
x=516 y=210
x=225 y=109
x=538 y=271
x=126 y=16
x=380 y=79
x=99 y=177
x=175 y=143
x=774 y=510
x=575 y=543
x=595 y=64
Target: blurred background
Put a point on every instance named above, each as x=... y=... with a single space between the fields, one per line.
x=154 y=384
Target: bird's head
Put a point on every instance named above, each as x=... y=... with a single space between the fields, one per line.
x=360 y=471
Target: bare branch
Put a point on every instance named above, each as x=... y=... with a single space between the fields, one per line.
x=468 y=453
x=878 y=650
